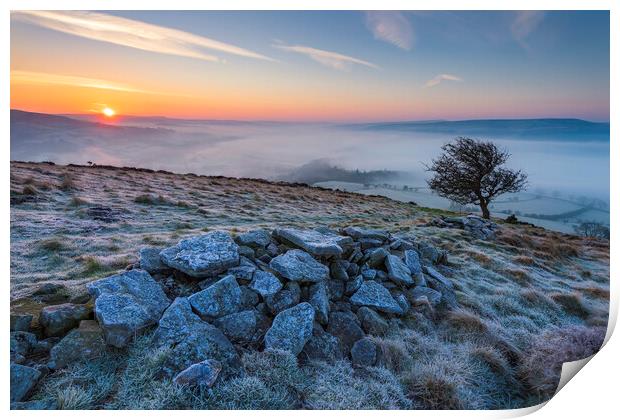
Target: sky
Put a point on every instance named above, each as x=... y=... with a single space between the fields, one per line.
x=314 y=65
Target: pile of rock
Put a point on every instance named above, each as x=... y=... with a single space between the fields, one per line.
x=316 y=293
x=477 y=226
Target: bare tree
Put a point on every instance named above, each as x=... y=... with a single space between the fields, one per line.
x=593 y=230
x=471 y=172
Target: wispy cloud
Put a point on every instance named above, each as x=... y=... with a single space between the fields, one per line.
x=524 y=24
x=327 y=58
x=440 y=78
x=36 y=78
x=392 y=27
x=132 y=33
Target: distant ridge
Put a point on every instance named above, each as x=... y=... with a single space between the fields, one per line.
x=566 y=128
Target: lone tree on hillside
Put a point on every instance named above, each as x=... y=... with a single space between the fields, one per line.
x=471 y=172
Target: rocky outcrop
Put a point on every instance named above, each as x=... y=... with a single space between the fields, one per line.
x=203 y=256
x=127 y=303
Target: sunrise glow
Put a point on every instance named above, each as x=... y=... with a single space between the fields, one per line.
x=108 y=112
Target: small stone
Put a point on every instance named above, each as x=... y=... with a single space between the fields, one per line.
x=364 y=352
x=222 y=298
x=297 y=265
x=203 y=374
x=265 y=283
x=57 y=320
x=291 y=329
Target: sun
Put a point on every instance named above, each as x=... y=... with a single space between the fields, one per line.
x=108 y=112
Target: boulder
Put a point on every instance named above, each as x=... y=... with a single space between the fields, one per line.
x=185 y=339
x=57 y=320
x=336 y=289
x=246 y=251
x=439 y=282
x=151 y=262
x=338 y=270
x=398 y=272
x=364 y=352
x=314 y=242
x=204 y=255
x=344 y=326
x=222 y=298
x=258 y=238
x=203 y=374
x=83 y=343
x=127 y=303
x=291 y=329
x=23 y=380
x=430 y=253
x=376 y=296
x=372 y=322
x=249 y=298
x=353 y=285
x=265 y=283
x=320 y=302
x=240 y=327
x=51 y=293
x=322 y=346
x=297 y=265
x=21 y=343
x=21 y=322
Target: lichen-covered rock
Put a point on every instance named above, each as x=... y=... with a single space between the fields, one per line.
x=265 y=283
x=203 y=374
x=372 y=322
x=222 y=298
x=57 y=320
x=83 y=343
x=240 y=327
x=21 y=322
x=23 y=380
x=364 y=352
x=297 y=265
x=320 y=302
x=185 y=339
x=258 y=238
x=344 y=326
x=376 y=296
x=127 y=303
x=204 y=255
x=398 y=272
x=291 y=329
x=314 y=242
x=151 y=262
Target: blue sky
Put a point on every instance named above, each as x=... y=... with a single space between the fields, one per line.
x=331 y=65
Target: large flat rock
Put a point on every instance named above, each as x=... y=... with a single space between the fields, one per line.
x=127 y=303
x=316 y=243
x=375 y=296
x=298 y=265
x=204 y=255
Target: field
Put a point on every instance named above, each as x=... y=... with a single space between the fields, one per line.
x=527 y=300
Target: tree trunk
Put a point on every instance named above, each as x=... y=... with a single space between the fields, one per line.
x=485 y=209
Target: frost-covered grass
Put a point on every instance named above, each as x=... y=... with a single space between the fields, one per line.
x=527 y=301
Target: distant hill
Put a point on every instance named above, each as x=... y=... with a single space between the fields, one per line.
x=556 y=128
x=322 y=170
